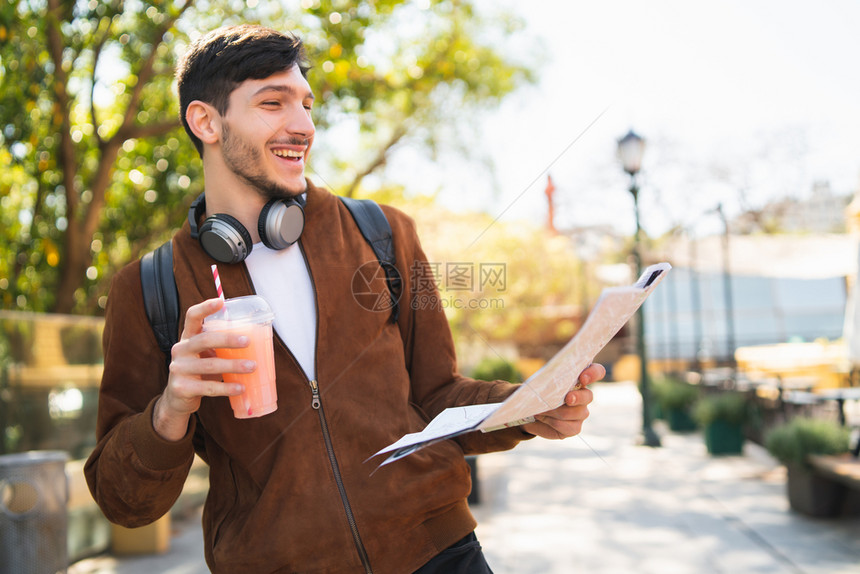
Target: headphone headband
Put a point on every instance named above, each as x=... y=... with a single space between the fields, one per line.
x=195 y=212
x=225 y=239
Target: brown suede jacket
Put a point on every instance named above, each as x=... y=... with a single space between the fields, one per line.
x=291 y=491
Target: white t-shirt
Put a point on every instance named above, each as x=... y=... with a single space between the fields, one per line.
x=281 y=278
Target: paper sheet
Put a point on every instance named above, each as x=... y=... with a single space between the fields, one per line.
x=546 y=389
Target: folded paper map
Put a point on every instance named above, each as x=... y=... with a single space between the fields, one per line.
x=546 y=389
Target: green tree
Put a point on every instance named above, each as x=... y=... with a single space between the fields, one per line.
x=94 y=168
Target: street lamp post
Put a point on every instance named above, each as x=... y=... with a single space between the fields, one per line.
x=630 y=150
x=727 y=295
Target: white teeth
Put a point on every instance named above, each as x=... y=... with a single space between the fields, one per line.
x=287 y=153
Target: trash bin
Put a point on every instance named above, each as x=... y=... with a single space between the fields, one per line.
x=33 y=522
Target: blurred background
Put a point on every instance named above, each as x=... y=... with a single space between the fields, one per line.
x=505 y=130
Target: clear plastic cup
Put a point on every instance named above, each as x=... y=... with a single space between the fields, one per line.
x=250 y=316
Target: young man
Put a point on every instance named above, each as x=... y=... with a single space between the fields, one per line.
x=290 y=491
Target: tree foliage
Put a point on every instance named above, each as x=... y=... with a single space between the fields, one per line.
x=94 y=168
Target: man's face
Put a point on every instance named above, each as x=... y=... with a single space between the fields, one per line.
x=268 y=131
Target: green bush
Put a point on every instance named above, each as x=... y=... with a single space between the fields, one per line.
x=674 y=394
x=729 y=406
x=793 y=442
x=491 y=369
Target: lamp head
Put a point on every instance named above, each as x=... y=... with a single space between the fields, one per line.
x=630 y=150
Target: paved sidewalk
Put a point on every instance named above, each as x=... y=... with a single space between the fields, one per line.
x=599 y=504
x=562 y=508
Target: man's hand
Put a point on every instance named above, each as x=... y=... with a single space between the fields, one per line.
x=195 y=371
x=566 y=420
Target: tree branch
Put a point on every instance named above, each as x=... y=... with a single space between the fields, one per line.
x=110 y=151
x=146 y=70
x=128 y=129
x=67 y=149
x=148 y=130
x=380 y=159
x=97 y=50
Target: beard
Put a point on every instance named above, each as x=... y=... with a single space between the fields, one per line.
x=245 y=161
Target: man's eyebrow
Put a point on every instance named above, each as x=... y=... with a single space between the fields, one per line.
x=289 y=90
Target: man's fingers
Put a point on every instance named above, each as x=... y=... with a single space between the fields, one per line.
x=566 y=429
x=580 y=396
x=196 y=313
x=593 y=372
x=203 y=343
x=191 y=365
x=188 y=388
x=218 y=389
x=567 y=420
x=560 y=423
x=555 y=429
x=564 y=413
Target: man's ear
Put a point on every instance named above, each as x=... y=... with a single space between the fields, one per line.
x=204 y=121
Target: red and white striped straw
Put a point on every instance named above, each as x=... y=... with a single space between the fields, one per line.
x=217 y=282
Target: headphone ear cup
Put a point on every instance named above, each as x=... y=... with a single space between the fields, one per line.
x=281 y=223
x=225 y=239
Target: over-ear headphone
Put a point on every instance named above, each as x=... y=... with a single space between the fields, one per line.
x=225 y=239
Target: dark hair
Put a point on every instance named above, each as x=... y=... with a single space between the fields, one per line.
x=219 y=61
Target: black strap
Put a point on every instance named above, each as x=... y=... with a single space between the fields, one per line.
x=160 y=297
x=376 y=230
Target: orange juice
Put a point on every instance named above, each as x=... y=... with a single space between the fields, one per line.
x=252 y=317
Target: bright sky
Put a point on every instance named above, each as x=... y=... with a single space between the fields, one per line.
x=758 y=95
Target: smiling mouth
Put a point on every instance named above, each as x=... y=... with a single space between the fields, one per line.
x=289 y=153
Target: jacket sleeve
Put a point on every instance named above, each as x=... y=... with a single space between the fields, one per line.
x=429 y=347
x=134 y=475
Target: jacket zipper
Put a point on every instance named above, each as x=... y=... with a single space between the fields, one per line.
x=316 y=404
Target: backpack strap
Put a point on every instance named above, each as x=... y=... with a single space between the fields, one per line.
x=376 y=230
x=160 y=296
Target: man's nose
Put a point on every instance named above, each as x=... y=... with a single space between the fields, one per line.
x=301 y=123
